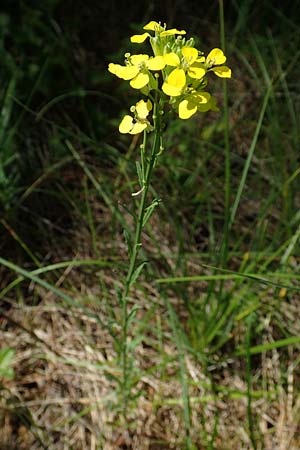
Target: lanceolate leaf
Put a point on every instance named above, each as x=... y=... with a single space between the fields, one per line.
x=149 y=210
x=137 y=273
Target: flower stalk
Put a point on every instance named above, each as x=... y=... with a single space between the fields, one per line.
x=147 y=164
x=174 y=78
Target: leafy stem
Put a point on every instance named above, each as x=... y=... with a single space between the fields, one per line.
x=134 y=269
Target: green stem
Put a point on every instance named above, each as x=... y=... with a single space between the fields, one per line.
x=137 y=245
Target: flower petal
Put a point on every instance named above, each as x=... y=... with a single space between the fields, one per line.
x=126 y=124
x=140 y=81
x=139 y=38
x=172 y=59
x=124 y=72
x=216 y=57
x=204 y=102
x=114 y=68
x=177 y=78
x=143 y=108
x=175 y=83
x=222 y=72
x=190 y=54
x=196 y=72
x=138 y=59
x=138 y=127
x=205 y=107
x=201 y=97
x=153 y=26
x=186 y=109
x=170 y=90
x=156 y=63
x=127 y=72
x=171 y=32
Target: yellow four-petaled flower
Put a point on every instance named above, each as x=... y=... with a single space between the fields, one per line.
x=137 y=69
x=139 y=123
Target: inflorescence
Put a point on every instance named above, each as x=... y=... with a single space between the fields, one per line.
x=176 y=74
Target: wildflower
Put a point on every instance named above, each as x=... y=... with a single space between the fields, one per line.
x=188 y=65
x=196 y=101
x=137 y=69
x=213 y=63
x=138 y=123
x=159 y=31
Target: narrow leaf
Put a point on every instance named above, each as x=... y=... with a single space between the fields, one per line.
x=150 y=209
x=128 y=241
x=136 y=273
x=140 y=174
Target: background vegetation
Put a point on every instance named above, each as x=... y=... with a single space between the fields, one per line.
x=215 y=338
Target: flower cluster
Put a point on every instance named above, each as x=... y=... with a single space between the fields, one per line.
x=177 y=73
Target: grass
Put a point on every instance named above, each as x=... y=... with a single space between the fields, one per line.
x=213 y=340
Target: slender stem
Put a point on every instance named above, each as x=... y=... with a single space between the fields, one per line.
x=147 y=173
x=143 y=149
x=142 y=208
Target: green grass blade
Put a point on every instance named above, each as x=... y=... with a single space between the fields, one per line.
x=293 y=340
x=32 y=277
x=250 y=155
x=56 y=266
x=231 y=275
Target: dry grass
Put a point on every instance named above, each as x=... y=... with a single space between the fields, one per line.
x=64 y=395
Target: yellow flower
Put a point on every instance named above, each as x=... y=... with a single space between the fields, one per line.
x=196 y=101
x=159 y=31
x=189 y=64
x=183 y=76
x=138 y=123
x=137 y=69
x=213 y=63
